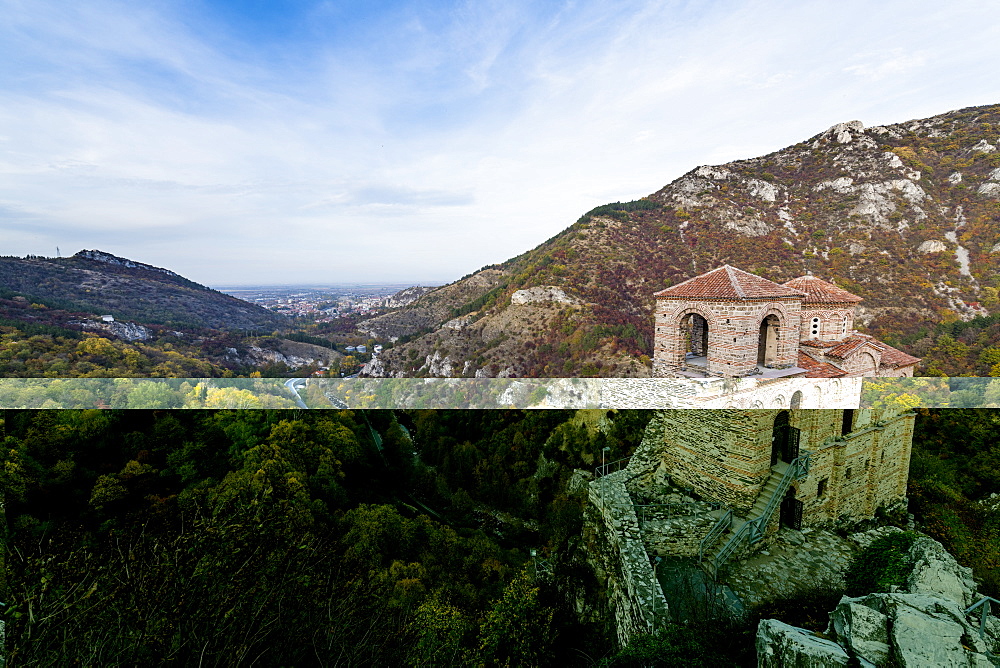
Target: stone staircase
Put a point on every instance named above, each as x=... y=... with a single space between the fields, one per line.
x=732 y=532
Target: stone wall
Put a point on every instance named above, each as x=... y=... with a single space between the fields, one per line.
x=733 y=333
x=710 y=451
x=725 y=457
x=676 y=536
x=831 y=322
x=863 y=470
x=634 y=595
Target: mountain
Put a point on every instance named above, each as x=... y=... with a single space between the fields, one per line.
x=102 y=283
x=906 y=216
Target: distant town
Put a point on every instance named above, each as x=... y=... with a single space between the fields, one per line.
x=319 y=303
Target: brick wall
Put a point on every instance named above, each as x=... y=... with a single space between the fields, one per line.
x=733 y=334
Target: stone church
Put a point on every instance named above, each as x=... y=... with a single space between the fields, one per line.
x=731 y=323
x=717 y=485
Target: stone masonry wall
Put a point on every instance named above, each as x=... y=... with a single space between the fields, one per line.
x=677 y=536
x=831 y=322
x=865 y=470
x=724 y=456
x=713 y=452
x=733 y=334
x=634 y=595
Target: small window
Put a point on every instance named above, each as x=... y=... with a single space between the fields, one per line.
x=815 y=327
x=846 y=319
x=847 y=425
x=847 y=473
x=821 y=488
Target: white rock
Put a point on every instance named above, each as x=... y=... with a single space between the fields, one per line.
x=990 y=189
x=844 y=133
x=785 y=646
x=762 y=190
x=994 y=175
x=984 y=147
x=543 y=293
x=936 y=573
x=712 y=172
x=955 y=177
x=843 y=185
x=893 y=160
x=861 y=630
x=923 y=640
x=932 y=246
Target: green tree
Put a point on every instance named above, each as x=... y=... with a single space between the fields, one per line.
x=517 y=631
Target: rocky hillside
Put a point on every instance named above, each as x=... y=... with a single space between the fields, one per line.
x=906 y=216
x=98 y=282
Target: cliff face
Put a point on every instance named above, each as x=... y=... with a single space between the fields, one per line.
x=906 y=216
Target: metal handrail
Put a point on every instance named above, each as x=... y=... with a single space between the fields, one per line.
x=723 y=524
x=754 y=529
x=798 y=469
x=985 y=602
x=603 y=469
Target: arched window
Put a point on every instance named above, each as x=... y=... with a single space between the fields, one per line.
x=796 y=400
x=847 y=320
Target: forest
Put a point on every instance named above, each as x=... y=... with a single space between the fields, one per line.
x=318 y=538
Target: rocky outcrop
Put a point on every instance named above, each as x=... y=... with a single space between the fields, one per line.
x=292 y=353
x=108 y=258
x=780 y=644
x=406 y=296
x=925 y=624
x=542 y=293
x=126 y=331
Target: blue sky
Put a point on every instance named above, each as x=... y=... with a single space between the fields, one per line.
x=322 y=142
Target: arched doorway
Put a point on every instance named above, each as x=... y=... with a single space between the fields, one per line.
x=784 y=439
x=767 y=342
x=695 y=329
x=791 y=510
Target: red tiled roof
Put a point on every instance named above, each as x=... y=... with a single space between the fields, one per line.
x=896 y=358
x=846 y=347
x=817 y=369
x=851 y=345
x=728 y=283
x=819 y=291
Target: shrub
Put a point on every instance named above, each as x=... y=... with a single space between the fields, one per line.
x=884 y=563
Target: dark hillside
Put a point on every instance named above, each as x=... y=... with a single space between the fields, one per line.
x=96 y=282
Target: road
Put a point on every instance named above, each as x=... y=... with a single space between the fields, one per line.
x=294 y=384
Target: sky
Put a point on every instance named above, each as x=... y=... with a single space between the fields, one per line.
x=260 y=142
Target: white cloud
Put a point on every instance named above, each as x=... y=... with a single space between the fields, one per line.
x=425 y=141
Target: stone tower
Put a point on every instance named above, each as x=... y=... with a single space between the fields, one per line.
x=858 y=459
x=716 y=486
x=726 y=322
x=731 y=323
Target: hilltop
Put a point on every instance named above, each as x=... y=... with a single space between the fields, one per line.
x=93 y=281
x=906 y=216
